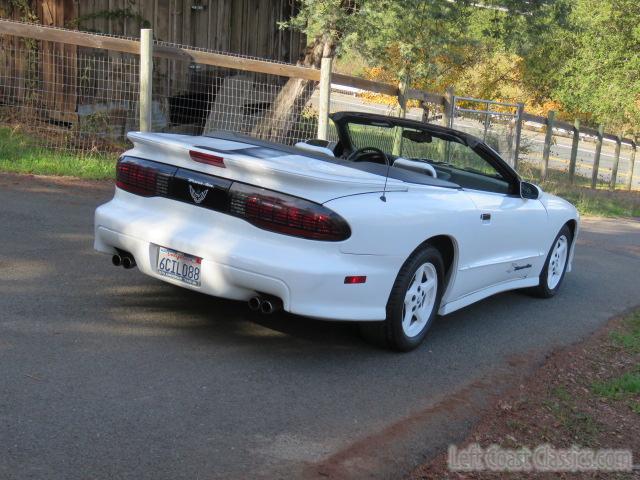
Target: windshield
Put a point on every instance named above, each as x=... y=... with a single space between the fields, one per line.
x=421 y=146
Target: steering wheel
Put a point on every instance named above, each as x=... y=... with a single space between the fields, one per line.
x=369 y=154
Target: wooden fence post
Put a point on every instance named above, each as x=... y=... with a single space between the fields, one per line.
x=146 y=75
x=519 y=120
x=402 y=112
x=596 y=157
x=548 y=137
x=632 y=162
x=324 y=100
x=425 y=111
x=616 y=163
x=449 y=107
x=574 y=151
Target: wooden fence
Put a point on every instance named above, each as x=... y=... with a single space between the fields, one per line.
x=576 y=130
x=74 y=39
x=247 y=27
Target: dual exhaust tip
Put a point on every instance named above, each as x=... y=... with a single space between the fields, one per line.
x=265 y=305
x=124 y=259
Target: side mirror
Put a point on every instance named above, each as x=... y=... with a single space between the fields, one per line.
x=530 y=191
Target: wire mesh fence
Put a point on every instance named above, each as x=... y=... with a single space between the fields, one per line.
x=493 y=122
x=67 y=98
x=275 y=108
x=83 y=100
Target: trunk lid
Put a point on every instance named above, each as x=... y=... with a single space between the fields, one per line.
x=264 y=165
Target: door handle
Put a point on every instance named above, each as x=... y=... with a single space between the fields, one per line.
x=485 y=217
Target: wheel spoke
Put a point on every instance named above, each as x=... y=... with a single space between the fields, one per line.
x=562 y=250
x=419 y=275
x=410 y=296
x=408 y=303
x=557 y=262
x=429 y=284
x=419 y=299
x=420 y=313
x=406 y=319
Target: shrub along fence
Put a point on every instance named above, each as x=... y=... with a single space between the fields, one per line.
x=78 y=91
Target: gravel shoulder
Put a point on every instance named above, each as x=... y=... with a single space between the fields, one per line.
x=586 y=396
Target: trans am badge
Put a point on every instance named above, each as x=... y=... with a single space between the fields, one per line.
x=198 y=196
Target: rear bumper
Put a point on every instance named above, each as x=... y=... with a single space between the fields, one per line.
x=240 y=260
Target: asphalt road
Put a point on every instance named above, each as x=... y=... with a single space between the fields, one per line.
x=105 y=373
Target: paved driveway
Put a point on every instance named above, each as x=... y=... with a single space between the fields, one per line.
x=105 y=373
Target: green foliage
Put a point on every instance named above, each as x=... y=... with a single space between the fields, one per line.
x=581 y=57
x=626 y=384
x=602 y=203
x=24 y=7
x=409 y=36
x=629 y=338
x=602 y=73
x=328 y=19
x=405 y=35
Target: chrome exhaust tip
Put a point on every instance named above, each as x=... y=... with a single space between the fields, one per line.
x=270 y=305
x=116 y=260
x=128 y=262
x=254 y=303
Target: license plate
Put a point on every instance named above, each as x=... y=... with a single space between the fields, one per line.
x=179 y=266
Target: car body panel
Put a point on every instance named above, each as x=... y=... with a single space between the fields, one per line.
x=389 y=219
x=299 y=175
x=240 y=260
x=509 y=232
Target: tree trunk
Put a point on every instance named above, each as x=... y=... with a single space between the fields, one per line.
x=279 y=122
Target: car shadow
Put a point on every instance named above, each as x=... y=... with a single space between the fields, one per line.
x=218 y=319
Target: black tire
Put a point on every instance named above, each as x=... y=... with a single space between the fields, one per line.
x=544 y=289
x=390 y=333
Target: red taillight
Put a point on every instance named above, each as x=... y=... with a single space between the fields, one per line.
x=207 y=158
x=143 y=177
x=353 y=279
x=136 y=178
x=267 y=209
x=286 y=214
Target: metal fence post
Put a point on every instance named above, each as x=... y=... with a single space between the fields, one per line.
x=548 y=137
x=632 y=162
x=146 y=74
x=616 y=162
x=596 y=157
x=519 y=120
x=324 y=100
x=574 y=150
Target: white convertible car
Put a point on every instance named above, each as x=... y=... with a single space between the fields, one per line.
x=394 y=223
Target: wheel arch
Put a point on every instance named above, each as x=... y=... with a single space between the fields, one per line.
x=573 y=225
x=448 y=248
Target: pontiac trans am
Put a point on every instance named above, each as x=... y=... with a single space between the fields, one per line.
x=393 y=223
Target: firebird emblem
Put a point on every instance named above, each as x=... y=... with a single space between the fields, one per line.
x=198 y=196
